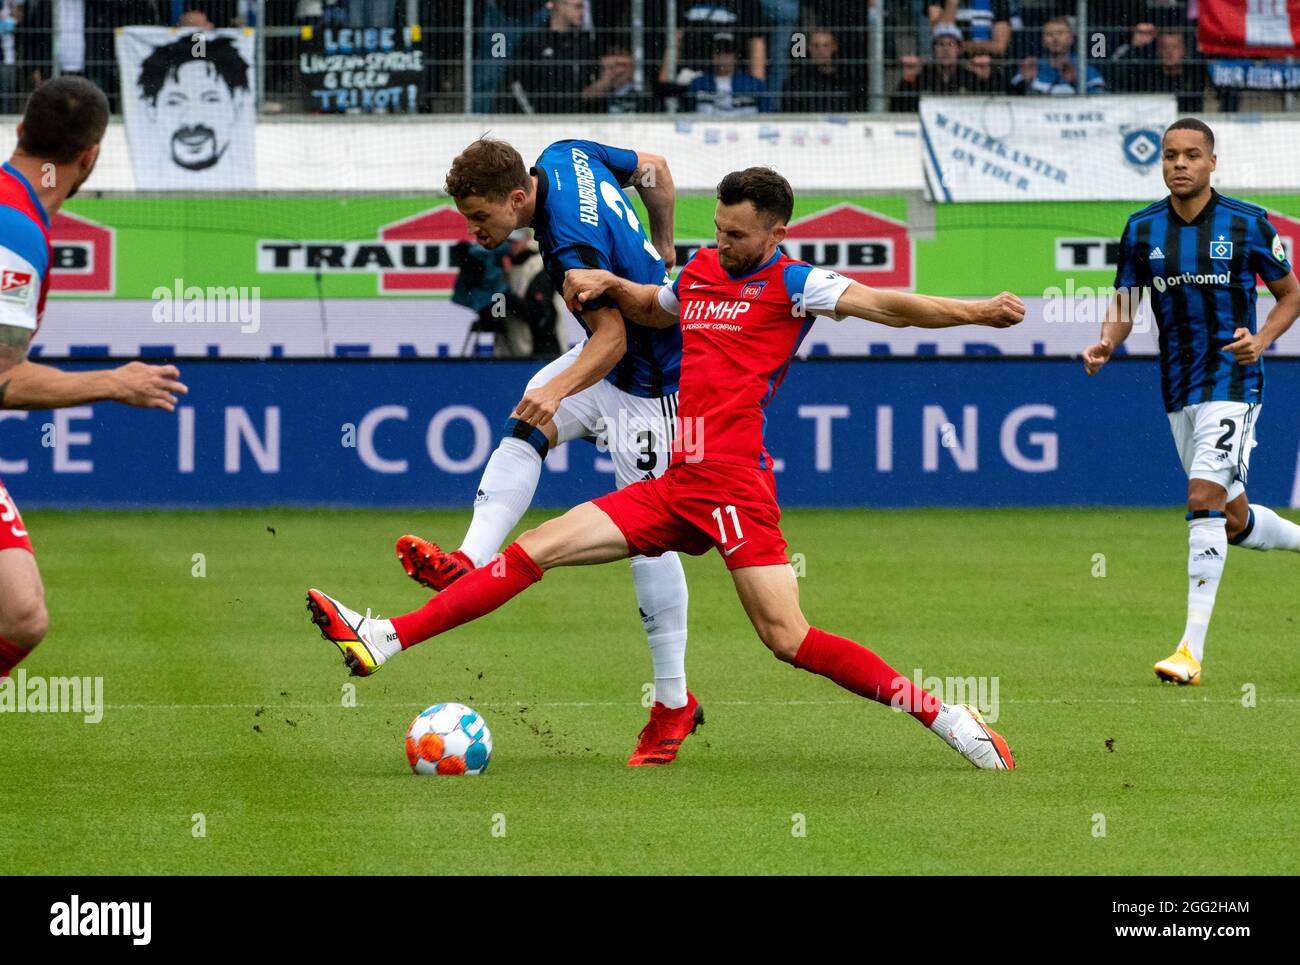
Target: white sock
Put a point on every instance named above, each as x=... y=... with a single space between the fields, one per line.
x=504 y=494
x=1207 y=549
x=1271 y=532
x=384 y=638
x=661 y=595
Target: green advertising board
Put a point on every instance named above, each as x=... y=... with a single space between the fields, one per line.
x=364 y=247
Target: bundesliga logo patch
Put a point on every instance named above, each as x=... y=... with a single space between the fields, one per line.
x=1279 y=252
x=753 y=290
x=15 y=286
x=1220 y=248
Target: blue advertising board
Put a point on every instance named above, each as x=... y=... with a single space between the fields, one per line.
x=883 y=433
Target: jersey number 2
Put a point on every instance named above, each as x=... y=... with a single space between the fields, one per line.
x=1230 y=427
x=617 y=200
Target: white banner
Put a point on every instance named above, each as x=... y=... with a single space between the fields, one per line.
x=190 y=106
x=1044 y=148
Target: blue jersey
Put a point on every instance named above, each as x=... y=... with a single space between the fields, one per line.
x=584 y=220
x=1201 y=276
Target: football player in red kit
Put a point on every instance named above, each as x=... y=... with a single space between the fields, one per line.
x=58 y=145
x=743 y=307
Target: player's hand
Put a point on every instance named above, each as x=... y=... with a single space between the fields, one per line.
x=581 y=285
x=1001 y=311
x=1095 y=356
x=1246 y=348
x=668 y=252
x=538 y=406
x=148 y=386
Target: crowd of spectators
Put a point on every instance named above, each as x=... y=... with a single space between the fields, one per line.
x=720 y=57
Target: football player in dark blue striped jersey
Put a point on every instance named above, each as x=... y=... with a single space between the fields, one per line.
x=1198 y=254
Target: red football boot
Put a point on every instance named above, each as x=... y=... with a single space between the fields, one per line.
x=662 y=737
x=428 y=565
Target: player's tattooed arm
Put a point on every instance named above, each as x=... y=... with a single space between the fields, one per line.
x=654 y=183
x=1115 y=328
x=904 y=309
x=638 y=303
x=13 y=352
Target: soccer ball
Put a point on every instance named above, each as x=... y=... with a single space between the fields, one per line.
x=448 y=739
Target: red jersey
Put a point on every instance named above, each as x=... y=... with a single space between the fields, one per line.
x=739 y=335
x=25 y=252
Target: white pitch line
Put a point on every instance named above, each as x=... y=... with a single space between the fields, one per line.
x=1118 y=701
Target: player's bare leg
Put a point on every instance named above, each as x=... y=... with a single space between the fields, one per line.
x=505 y=491
x=581 y=536
x=23 y=619
x=770 y=596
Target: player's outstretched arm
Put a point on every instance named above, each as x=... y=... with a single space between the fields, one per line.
x=904 y=309
x=13 y=351
x=654 y=183
x=30 y=385
x=638 y=303
x=605 y=346
x=1248 y=348
x=1114 y=329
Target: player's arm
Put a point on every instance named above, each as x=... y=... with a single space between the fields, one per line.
x=1130 y=277
x=1248 y=348
x=605 y=346
x=654 y=183
x=30 y=385
x=13 y=351
x=1115 y=328
x=642 y=304
x=904 y=309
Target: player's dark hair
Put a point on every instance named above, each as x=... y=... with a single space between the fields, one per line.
x=165 y=63
x=1192 y=124
x=767 y=191
x=64 y=117
x=488 y=168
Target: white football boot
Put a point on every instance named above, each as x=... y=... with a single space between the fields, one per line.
x=964 y=730
x=366 y=642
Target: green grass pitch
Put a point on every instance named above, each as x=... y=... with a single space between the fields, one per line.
x=223 y=701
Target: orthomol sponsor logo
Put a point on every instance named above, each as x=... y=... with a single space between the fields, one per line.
x=410 y=256
x=83 y=256
x=1161 y=282
x=857 y=243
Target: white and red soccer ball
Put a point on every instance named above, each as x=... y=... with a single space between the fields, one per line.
x=448 y=739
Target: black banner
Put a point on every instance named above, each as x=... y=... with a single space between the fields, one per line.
x=366 y=70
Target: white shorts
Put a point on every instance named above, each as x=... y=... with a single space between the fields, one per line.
x=636 y=433
x=1214 y=441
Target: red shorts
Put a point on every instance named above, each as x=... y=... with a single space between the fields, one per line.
x=13 y=534
x=694 y=506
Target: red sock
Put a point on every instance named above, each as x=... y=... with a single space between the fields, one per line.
x=856 y=668
x=478 y=592
x=10 y=656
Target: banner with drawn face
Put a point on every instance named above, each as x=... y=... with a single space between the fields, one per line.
x=189 y=104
